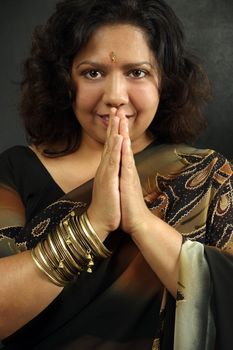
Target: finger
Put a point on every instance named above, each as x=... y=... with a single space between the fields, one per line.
x=121 y=114
x=110 y=130
x=127 y=150
x=113 y=111
x=110 y=164
x=127 y=159
x=113 y=132
x=124 y=127
x=111 y=127
x=113 y=162
x=111 y=115
x=114 y=127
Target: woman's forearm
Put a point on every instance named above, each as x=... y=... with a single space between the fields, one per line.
x=160 y=245
x=24 y=292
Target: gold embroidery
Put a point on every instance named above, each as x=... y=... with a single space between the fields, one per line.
x=199 y=179
x=223 y=205
x=39 y=229
x=22 y=246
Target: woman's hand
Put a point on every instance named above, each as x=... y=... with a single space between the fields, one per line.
x=104 y=211
x=134 y=212
x=158 y=242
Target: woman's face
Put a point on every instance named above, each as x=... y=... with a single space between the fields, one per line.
x=116 y=69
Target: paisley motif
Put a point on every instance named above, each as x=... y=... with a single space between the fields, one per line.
x=223 y=205
x=199 y=178
x=223 y=173
x=39 y=229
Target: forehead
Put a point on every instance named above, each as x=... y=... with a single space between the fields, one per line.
x=129 y=43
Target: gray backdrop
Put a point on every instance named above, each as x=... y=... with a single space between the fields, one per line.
x=209 y=31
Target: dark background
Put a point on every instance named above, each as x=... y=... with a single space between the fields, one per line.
x=209 y=31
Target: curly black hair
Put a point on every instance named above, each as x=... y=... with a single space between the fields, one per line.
x=48 y=92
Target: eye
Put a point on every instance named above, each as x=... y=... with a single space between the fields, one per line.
x=138 y=73
x=93 y=74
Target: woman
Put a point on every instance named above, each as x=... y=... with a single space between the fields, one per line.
x=107 y=185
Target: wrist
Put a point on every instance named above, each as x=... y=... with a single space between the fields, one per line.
x=148 y=224
x=97 y=225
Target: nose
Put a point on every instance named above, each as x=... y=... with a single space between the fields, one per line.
x=115 y=92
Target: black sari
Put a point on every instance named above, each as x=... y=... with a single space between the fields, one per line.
x=123 y=305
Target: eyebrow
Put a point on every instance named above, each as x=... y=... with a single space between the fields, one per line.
x=126 y=66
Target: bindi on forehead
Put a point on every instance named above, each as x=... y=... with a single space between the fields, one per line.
x=113 y=57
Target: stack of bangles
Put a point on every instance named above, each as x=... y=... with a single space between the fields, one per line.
x=69 y=250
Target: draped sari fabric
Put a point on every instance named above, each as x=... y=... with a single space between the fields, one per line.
x=123 y=305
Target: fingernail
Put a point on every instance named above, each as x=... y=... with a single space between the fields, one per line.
x=113 y=110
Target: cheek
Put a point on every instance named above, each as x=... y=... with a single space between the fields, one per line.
x=86 y=98
x=146 y=98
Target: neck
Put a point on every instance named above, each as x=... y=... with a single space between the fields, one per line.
x=139 y=145
x=90 y=146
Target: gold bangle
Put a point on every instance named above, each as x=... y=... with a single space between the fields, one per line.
x=54 y=280
x=104 y=250
x=63 y=263
x=54 y=265
x=66 y=252
x=94 y=247
x=69 y=249
x=80 y=250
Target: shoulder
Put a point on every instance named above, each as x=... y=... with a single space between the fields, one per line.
x=190 y=153
x=13 y=161
x=14 y=151
x=210 y=161
x=17 y=156
x=215 y=171
x=193 y=168
x=195 y=158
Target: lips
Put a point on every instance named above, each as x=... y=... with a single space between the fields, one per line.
x=105 y=118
